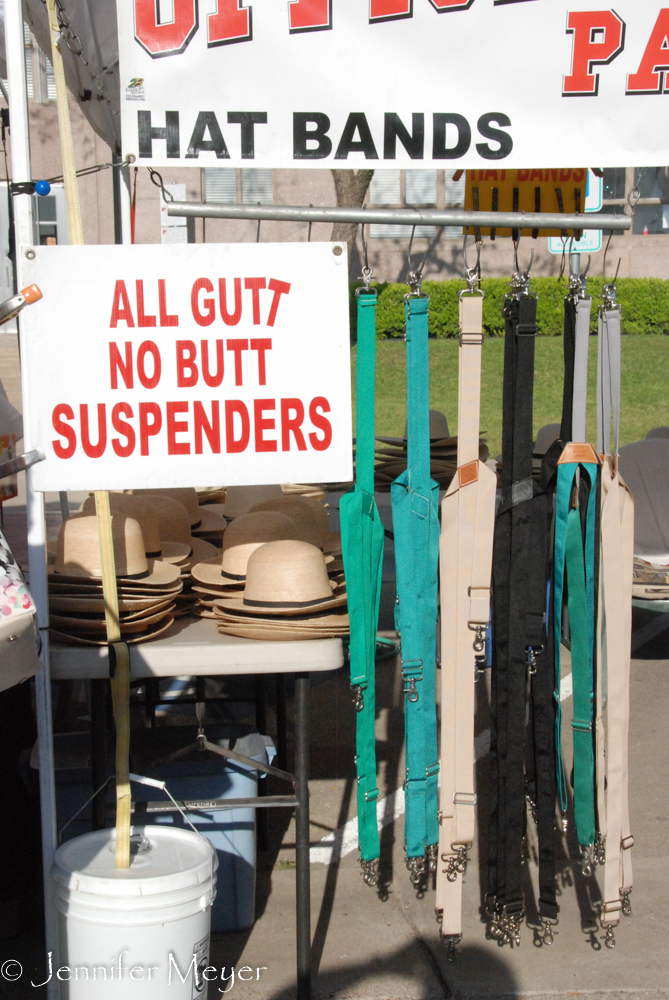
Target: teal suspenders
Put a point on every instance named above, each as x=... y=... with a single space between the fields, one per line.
x=415 y=499
x=362 y=545
x=575 y=562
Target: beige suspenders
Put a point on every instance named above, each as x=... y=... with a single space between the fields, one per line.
x=468 y=517
x=614 y=635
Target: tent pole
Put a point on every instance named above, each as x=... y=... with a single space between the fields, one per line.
x=24 y=228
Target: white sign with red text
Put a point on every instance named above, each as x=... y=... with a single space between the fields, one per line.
x=408 y=83
x=189 y=365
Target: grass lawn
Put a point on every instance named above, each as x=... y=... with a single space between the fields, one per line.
x=645 y=385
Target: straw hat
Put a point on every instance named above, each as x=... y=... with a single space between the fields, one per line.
x=310 y=517
x=152 y=632
x=140 y=510
x=245 y=534
x=201 y=519
x=438 y=429
x=545 y=437
x=98 y=626
x=128 y=608
x=78 y=554
x=174 y=524
x=241 y=499
x=286 y=578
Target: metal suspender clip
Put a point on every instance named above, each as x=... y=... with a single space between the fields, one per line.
x=412 y=671
x=358 y=700
x=479 y=639
x=532 y=653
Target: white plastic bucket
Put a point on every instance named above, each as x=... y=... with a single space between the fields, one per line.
x=133 y=933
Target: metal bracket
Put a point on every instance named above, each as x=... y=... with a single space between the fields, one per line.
x=21 y=462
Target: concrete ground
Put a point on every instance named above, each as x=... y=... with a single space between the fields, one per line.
x=383 y=943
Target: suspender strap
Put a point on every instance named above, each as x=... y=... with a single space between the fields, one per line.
x=519 y=604
x=414 y=498
x=468 y=516
x=614 y=629
x=575 y=552
x=583 y=307
x=362 y=545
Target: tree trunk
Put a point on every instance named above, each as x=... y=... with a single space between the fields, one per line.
x=351 y=187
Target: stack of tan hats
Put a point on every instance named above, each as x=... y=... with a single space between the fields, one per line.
x=147 y=588
x=224 y=575
x=165 y=525
x=311 y=520
x=206 y=522
x=392 y=458
x=287 y=596
x=218 y=494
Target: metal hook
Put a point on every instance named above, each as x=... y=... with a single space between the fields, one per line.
x=472 y=274
x=167 y=195
x=309 y=229
x=563 y=261
x=415 y=277
x=258 y=230
x=516 y=244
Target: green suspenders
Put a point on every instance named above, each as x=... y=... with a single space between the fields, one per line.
x=415 y=499
x=362 y=544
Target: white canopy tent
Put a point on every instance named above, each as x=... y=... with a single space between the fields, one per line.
x=90 y=58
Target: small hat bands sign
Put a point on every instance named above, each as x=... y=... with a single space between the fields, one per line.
x=188 y=365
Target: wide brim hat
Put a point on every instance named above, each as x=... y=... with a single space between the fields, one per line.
x=128 y=608
x=241 y=499
x=286 y=578
x=98 y=626
x=153 y=632
x=201 y=552
x=140 y=510
x=310 y=517
x=74 y=587
x=314 y=492
x=245 y=534
x=269 y=633
x=78 y=554
x=201 y=519
x=338 y=619
x=438 y=430
x=210 y=590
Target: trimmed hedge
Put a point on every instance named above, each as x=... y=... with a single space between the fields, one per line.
x=644 y=301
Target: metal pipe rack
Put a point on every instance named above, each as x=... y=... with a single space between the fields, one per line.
x=401 y=216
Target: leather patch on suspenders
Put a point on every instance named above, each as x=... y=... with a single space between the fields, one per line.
x=578 y=453
x=468 y=473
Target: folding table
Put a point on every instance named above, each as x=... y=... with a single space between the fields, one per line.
x=196 y=647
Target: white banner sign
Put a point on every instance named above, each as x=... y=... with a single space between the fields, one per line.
x=196 y=365
x=352 y=83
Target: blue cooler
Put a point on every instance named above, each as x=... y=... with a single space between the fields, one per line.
x=199 y=775
x=204 y=775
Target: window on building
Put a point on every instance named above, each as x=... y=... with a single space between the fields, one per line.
x=397 y=188
x=651 y=215
x=651 y=181
x=40 y=82
x=614 y=183
x=221 y=185
x=257 y=186
x=454 y=197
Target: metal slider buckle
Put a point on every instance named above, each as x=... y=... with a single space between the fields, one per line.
x=372 y=796
x=627 y=842
x=471 y=339
x=526 y=330
x=465 y=798
x=581 y=725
